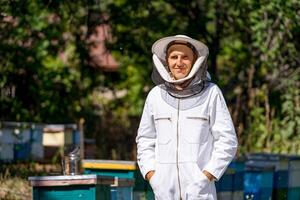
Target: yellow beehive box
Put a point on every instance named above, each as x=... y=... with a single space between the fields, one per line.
x=57 y=136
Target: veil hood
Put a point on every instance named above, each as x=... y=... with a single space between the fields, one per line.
x=198 y=74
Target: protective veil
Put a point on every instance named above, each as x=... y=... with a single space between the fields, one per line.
x=198 y=77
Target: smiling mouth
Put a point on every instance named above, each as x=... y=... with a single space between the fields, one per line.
x=180 y=70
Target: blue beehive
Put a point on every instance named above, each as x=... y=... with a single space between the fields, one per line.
x=231 y=184
x=281 y=164
x=224 y=186
x=238 y=179
x=258 y=181
x=22 y=151
x=112 y=168
x=294 y=178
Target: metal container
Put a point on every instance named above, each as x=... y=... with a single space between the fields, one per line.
x=71 y=163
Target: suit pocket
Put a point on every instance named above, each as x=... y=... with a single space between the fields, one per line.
x=200 y=187
x=197 y=129
x=163 y=123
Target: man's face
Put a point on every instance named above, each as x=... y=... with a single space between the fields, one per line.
x=180 y=59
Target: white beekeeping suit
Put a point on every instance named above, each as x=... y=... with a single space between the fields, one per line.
x=183 y=133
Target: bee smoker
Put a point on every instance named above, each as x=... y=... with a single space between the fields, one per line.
x=71 y=163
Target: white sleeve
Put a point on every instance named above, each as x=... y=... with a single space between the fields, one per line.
x=145 y=140
x=225 y=140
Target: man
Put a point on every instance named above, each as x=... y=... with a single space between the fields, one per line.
x=186 y=138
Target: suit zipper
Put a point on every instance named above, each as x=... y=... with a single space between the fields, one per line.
x=177 y=163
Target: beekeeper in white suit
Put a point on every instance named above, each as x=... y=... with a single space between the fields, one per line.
x=186 y=138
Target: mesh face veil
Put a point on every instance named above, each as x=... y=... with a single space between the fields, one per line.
x=197 y=78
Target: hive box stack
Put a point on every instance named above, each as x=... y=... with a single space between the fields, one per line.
x=15 y=141
x=22 y=141
x=122 y=171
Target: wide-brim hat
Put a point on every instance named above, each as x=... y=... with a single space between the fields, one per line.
x=159 y=48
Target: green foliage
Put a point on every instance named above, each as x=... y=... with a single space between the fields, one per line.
x=290 y=112
x=41 y=58
x=272 y=28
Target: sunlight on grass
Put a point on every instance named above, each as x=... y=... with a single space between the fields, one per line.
x=14 y=187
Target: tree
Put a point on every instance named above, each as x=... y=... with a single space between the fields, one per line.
x=266 y=33
x=43 y=59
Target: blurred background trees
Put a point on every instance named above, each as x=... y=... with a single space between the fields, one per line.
x=46 y=73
